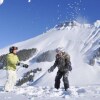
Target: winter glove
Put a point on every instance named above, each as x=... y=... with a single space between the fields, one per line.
x=50 y=70
x=18 y=64
x=25 y=66
x=39 y=69
x=70 y=68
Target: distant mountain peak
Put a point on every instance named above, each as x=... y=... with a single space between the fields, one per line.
x=75 y=23
x=67 y=24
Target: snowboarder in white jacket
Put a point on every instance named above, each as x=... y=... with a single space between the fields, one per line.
x=64 y=66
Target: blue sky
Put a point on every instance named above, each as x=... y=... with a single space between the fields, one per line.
x=21 y=20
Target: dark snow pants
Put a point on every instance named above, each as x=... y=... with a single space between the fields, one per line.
x=65 y=79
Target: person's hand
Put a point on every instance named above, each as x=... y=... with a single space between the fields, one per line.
x=18 y=64
x=70 y=68
x=39 y=69
x=49 y=71
x=25 y=66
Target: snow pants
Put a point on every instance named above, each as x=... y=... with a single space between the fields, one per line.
x=11 y=80
x=65 y=79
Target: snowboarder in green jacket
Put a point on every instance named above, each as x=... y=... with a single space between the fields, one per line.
x=12 y=61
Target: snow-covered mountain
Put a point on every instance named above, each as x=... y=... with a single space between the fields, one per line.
x=81 y=41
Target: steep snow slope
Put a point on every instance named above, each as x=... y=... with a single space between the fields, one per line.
x=77 y=39
x=80 y=41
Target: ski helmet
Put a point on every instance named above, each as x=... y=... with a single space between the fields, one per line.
x=60 y=49
x=11 y=49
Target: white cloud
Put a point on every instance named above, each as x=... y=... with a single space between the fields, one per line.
x=29 y=1
x=1 y=2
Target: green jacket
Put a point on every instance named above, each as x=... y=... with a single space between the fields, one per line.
x=12 y=60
